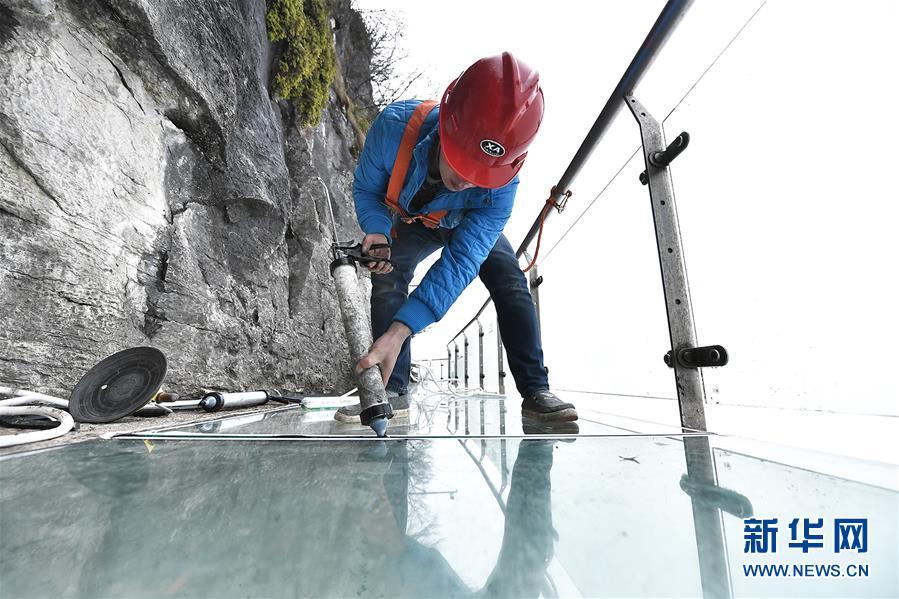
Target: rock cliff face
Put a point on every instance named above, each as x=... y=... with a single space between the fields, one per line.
x=152 y=193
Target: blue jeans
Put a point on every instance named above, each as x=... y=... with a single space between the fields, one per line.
x=504 y=280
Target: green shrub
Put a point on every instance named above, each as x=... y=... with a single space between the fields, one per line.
x=306 y=68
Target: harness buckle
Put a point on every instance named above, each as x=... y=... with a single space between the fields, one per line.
x=425 y=219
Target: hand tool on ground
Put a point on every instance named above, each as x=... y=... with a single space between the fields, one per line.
x=286 y=397
x=376 y=410
x=152 y=410
x=183 y=404
x=216 y=400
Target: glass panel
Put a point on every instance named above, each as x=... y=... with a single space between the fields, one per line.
x=604 y=325
x=423 y=518
x=800 y=245
x=789 y=230
x=430 y=415
x=701 y=36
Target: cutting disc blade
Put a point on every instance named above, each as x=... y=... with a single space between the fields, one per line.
x=118 y=386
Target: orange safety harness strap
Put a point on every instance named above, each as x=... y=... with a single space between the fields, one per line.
x=401 y=167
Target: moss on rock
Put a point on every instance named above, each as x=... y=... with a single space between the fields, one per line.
x=307 y=65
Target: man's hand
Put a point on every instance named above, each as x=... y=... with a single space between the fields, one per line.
x=385 y=350
x=378 y=268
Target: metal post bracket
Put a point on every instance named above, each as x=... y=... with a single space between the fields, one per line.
x=663 y=159
x=681 y=328
x=699 y=357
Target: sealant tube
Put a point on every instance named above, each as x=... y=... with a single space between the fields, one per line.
x=372 y=397
x=215 y=401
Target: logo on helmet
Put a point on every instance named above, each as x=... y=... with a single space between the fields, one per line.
x=492 y=148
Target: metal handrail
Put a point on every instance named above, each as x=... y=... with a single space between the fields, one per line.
x=667 y=20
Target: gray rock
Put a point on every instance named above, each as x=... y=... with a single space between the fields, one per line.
x=27 y=8
x=152 y=193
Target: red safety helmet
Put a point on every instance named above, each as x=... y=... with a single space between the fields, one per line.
x=488 y=118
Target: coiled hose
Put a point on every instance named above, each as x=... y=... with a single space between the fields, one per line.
x=23 y=404
x=66 y=423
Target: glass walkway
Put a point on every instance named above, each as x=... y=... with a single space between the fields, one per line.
x=463 y=499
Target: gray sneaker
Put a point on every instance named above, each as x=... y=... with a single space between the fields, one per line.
x=543 y=406
x=350 y=414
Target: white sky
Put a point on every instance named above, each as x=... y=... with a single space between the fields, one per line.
x=786 y=208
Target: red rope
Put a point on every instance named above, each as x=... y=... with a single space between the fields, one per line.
x=550 y=203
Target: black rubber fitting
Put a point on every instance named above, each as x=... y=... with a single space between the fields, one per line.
x=379 y=410
x=215 y=405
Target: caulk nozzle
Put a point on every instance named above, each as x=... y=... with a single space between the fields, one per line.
x=379 y=425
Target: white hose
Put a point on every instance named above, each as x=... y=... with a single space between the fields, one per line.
x=65 y=425
x=36 y=399
x=24 y=396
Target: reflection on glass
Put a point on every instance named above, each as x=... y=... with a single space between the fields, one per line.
x=612 y=516
x=528 y=535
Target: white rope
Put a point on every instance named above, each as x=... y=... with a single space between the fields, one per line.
x=446 y=392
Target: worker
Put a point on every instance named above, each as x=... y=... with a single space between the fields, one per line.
x=444 y=177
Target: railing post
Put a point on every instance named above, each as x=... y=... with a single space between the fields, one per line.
x=465 y=358
x=480 y=355
x=500 y=373
x=449 y=360
x=467 y=406
x=456 y=364
x=682 y=331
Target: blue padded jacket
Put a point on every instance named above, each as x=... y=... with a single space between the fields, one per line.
x=477 y=216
